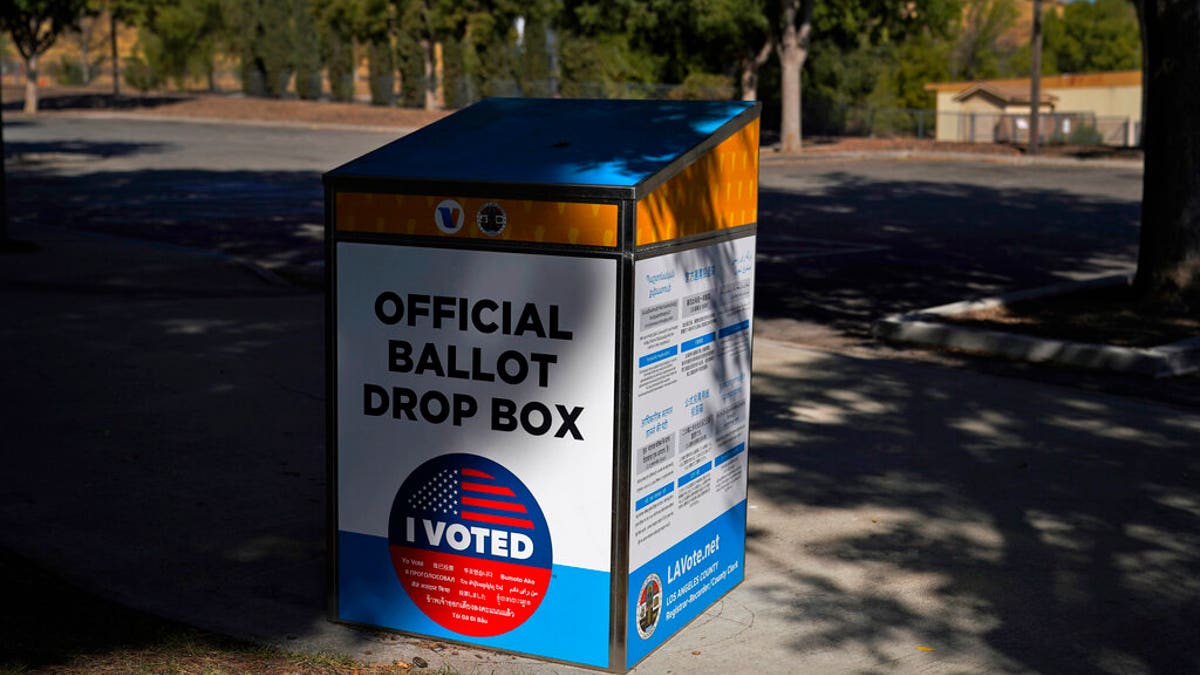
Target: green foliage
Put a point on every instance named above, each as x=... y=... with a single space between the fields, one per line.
x=307 y=58
x=266 y=38
x=71 y=72
x=850 y=24
x=139 y=75
x=489 y=51
x=179 y=40
x=336 y=46
x=411 y=44
x=704 y=86
x=454 y=80
x=610 y=42
x=339 y=66
x=1092 y=36
x=593 y=67
x=1085 y=134
x=36 y=24
x=381 y=70
x=904 y=70
x=979 y=53
x=410 y=60
x=877 y=54
x=533 y=60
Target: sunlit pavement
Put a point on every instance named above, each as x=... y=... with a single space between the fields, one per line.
x=164 y=424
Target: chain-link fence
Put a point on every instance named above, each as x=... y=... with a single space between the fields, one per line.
x=464 y=91
x=1072 y=128
x=843 y=120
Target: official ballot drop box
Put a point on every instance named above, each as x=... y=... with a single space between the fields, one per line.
x=539 y=350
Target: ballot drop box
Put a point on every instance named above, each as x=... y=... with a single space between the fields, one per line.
x=540 y=318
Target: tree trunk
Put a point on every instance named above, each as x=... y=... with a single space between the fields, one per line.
x=428 y=48
x=1035 y=79
x=751 y=64
x=793 y=50
x=31 y=84
x=85 y=66
x=1169 y=256
x=116 y=64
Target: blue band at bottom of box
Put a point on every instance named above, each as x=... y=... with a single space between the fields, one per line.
x=691 y=576
x=369 y=592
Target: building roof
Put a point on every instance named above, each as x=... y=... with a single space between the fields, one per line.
x=554 y=142
x=1010 y=95
x=1120 y=78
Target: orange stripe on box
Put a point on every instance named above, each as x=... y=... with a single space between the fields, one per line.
x=716 y=192
x=527 y=220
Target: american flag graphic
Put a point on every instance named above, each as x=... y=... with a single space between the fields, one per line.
x=470 y=545
x=470 y=494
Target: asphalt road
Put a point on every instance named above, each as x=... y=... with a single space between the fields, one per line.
x=244 y=190
x=845 y=242
x=842 y=242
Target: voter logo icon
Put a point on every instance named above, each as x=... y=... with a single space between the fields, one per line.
x=470 y=545
x=448 y=216
x=491 y=219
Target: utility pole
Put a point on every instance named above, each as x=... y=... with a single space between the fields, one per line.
x=1035 y=82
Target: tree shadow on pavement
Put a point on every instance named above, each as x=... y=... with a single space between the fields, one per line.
x=861 y=249
x=1009 y=527
x=33 y=152
x=272 y=217
x=95 y=101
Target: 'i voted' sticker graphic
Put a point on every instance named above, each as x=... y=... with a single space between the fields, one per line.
x=470 y=545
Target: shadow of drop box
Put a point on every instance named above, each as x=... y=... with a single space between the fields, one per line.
x=539 y=348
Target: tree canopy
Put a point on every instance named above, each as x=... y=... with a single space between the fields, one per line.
x=1090 y=37
x=34 y=26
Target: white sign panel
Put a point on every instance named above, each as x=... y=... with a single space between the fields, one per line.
x=475 y=395
x=691 y=404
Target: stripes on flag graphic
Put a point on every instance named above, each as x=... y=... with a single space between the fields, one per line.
x=470 y=545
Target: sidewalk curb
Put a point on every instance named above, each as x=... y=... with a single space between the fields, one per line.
x=287 y=124
x=938 y=155
x=923 y=328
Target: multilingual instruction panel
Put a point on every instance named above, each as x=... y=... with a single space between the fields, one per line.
x=691 y=403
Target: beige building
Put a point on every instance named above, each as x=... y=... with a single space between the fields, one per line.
x=1090 y=108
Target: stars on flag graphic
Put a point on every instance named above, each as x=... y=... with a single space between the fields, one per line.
x=471 y=495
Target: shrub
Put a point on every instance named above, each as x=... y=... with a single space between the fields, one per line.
x=69 y=72
x=1085 y=134
x=704 y=86
x=139 y=75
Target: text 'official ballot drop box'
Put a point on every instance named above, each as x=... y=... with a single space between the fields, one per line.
x=540 y=334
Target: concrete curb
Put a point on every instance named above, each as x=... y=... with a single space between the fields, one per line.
x=768 y=158
x=923 y=327
x=281 y=124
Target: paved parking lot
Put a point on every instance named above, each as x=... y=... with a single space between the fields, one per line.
x=842 y=241
x=904 y=517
